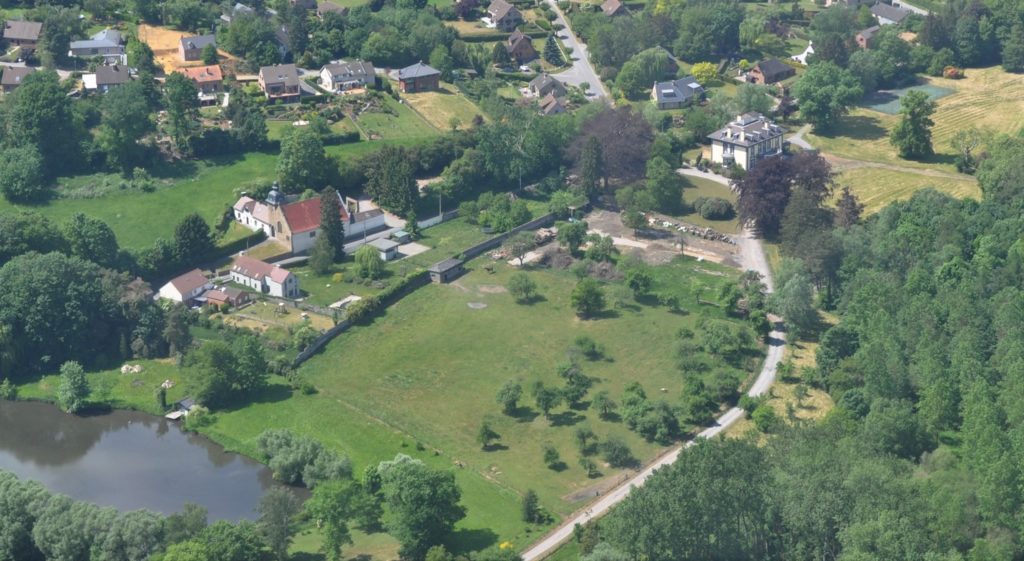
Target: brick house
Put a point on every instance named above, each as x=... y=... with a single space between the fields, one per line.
x=280 y=81
x=418 y=78
x=770 y=71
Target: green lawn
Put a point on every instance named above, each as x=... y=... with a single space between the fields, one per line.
x=399 y=122
x=208 y=187
x=877 y=187
x=440 y=107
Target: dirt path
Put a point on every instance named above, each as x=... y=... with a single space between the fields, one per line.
x=843 y=164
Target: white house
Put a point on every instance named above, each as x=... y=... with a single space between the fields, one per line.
x=297 y=223
x=107 y=44
x=264 y=277
x=342 y=76
x=186 y=288
x=745 y=141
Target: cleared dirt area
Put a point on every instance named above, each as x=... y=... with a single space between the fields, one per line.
x=164 y=43
x=658 y=246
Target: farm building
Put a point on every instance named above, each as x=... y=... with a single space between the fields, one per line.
x=264 y=277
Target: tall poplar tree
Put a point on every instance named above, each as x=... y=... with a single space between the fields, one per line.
x=331 y=227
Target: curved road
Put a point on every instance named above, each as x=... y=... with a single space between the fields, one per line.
x=753 y=258
x=581 y=70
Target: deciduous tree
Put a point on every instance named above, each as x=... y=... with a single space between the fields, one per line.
x=73 y=388
x=303 y=163
x=825 y=92
x=912 y=136
x=277 y=510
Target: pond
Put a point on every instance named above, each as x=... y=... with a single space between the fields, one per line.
x=129 y=461
x=888 y=101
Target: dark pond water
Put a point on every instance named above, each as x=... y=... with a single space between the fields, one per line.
x=128 y=460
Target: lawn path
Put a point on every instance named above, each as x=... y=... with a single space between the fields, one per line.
x=753 y=258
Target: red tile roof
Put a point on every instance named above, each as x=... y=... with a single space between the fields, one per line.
x=304 y=216
x=203 y=74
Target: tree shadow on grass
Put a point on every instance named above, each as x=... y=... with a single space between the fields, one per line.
x=607 y=313
x=566 y=419
x=857 y=127
x=535 y=299
x=495 y=447
x=272 y=394
x=558 y=466
x=466 y=540
x=310 y=556
x=524 y=415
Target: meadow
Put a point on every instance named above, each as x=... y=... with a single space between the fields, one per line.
x=440 y=107
x=398 y=122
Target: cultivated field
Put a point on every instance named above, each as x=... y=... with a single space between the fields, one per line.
x=877 y=187
x=439 y=107
x=164 y=43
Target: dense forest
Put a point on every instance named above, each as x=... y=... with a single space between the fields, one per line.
x=922 y=457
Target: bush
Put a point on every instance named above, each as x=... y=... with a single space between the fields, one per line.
x=298 y=459
x=7 y=390
x=714 y=208
x=588 y=347
x=765 y=418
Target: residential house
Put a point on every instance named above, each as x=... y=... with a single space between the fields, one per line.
x=106 y=78
x=229 y=295
x=297 y=223
x=24 y=34
x=326 y=7
x=745 y=141
x=612 y=8
x=12 y=77
x=107 y=44
x=264 y=277
x=280 y=81
x=520 y=47
x=504 y=16
x=545 y=84
x=865 y=36
x=676 y=93
x=852 y=4
x=889 y=15
x=186 y=288
x=191 y=48
x=551 y=105
x=770 y=71
x=387 y=248
x=208 y=80
x=418 y=78
x=446 y=271
x=342 y=76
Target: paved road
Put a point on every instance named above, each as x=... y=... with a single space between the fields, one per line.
x=752 y=257
x=581 y=70
x=799 y=140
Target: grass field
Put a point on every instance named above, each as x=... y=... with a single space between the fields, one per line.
x=383 y=388
x=988 y=98
x=276 y=130
x=208 y=187
x=877 y=187
x=440 y=107
x=398 y=123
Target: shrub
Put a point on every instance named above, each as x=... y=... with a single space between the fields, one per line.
x=7 y=390
x=588 y=347
x=714 y=208
x=765 y=418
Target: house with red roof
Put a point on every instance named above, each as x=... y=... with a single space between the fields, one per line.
x=297 y=223
x=264 y=277
x=186 y=288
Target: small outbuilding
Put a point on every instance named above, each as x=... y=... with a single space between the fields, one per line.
x=402 y=236
x=446 y=271
x=387 y=248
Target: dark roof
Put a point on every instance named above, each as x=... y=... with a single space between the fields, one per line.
x=418 y=70
x=112 y=75
x=199 y=41
x=187 y=403
x=499 y=9
x=746 y=130
x=280 y=73
x=888 y=12
x=773 y=67
x=189 y=281
x=367 y=214
x=13 y=75
x=545 y=81
x=383 y=244
x=23 y=30
x=104 y=39
x=446 y=265
x=324 y=6
x=682 y=89
x=551 y=105
x=869 y=32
